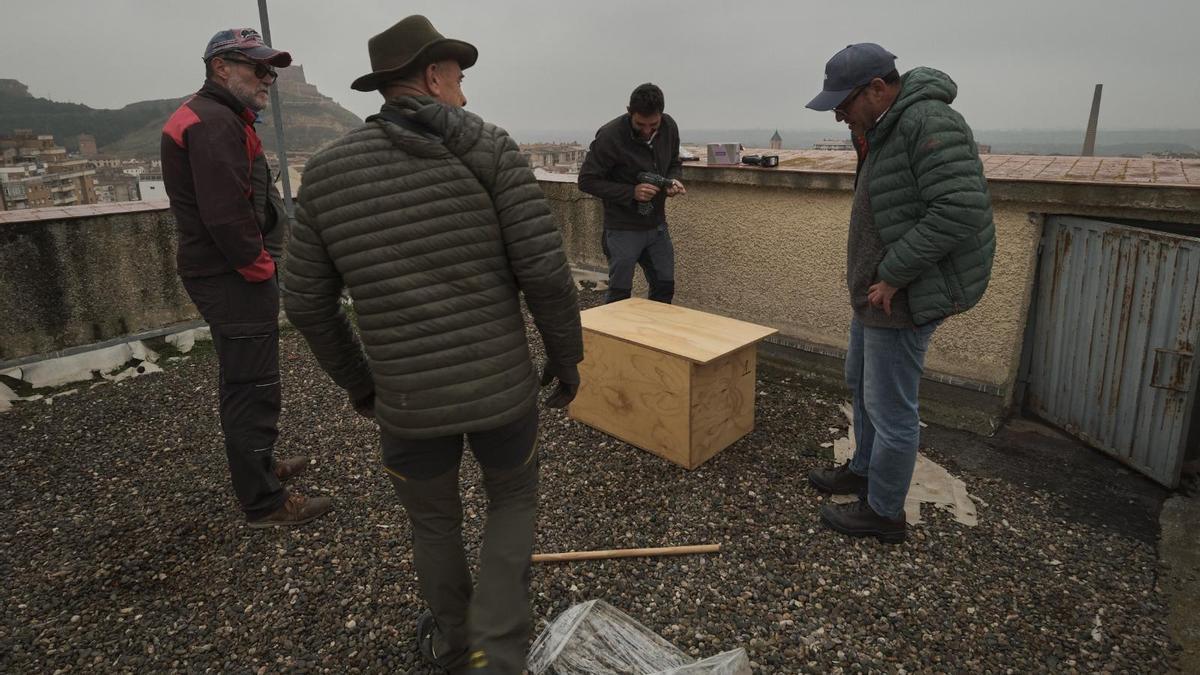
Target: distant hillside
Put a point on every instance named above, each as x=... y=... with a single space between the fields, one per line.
x=20 y=110
x=310 y=119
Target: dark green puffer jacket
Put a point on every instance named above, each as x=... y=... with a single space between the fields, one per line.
x=434 y=232
x=930 y=199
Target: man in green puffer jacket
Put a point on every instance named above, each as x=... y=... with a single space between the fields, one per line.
x=436 y=226
x=920 y=249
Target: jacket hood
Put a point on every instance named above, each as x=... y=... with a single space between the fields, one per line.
x=452 y=127
x=917 y=85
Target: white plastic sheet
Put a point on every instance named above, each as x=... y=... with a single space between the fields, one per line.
x=595 y=638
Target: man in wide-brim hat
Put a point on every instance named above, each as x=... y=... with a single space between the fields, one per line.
x=432 y=220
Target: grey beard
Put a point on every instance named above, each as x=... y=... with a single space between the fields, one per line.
x=245 y=96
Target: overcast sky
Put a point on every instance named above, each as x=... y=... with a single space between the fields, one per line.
x=562 y=64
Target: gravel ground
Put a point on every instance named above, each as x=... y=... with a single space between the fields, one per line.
x=121 y=548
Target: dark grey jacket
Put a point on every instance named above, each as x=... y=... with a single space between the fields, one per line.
x=612 y=165
x=434 y=229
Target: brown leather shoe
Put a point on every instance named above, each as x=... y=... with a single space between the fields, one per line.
x=287 y=469
x=297 y=510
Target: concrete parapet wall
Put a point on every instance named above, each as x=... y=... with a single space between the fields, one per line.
x=770 y=247
x=76 y=277
x=766 y=246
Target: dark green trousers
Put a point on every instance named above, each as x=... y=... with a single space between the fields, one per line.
x=488 y=623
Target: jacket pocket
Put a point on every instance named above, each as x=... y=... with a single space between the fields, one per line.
x=953 y=284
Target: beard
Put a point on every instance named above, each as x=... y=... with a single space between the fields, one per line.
x=247 y=94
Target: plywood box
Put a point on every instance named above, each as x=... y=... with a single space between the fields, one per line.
x=671 y=380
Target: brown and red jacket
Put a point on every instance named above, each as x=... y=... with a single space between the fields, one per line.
x=227 y=210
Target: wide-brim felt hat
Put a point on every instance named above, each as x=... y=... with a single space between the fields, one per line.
x=409 y=43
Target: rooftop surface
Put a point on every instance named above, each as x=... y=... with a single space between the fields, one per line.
x=122 y=549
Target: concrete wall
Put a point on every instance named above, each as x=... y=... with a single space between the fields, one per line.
x=760 y=245
x=770 y=247
x=70 y=280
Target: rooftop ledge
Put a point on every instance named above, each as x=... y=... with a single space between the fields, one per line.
x=1153 y=189
x=1169 y=187
x=82 y=211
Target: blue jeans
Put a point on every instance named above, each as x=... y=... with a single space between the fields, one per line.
x=883 y=371
x=652 y=250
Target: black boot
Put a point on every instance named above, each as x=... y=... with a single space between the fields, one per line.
x=860 y=520
x=839 y=481
x=427 y=635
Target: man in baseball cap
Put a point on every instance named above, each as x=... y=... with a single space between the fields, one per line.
x=920 y=247
x=231 y=222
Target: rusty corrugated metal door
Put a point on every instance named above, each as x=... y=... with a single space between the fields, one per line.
x=1117 y=322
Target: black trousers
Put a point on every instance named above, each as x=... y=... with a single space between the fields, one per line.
x=652 y=250
x=244 y=318
x=488 y=623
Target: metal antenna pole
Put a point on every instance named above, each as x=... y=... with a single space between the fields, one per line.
x=277 y=115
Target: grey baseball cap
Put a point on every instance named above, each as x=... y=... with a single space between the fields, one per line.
x=850 y=68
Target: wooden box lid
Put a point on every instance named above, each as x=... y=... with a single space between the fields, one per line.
x=697 y=336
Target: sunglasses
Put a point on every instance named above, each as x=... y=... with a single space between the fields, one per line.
x=260 y=70
x=841 y=109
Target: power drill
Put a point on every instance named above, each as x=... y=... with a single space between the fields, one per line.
x=646 y=208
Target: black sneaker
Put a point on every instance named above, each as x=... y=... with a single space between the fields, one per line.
x=839 y=481
x=858 y=519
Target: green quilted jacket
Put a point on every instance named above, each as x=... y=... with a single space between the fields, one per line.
x=930 y=199
x=435 y=229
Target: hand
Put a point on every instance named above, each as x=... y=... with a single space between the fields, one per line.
x=644 y=192
x=880 y=295
x=676 y=189
x=365 y=406
x=568 y=384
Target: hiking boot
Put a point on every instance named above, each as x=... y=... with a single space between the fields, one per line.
x=839 y=481
x=427 y=634
x=858 y=519
x=297 y=510
x=287 y=469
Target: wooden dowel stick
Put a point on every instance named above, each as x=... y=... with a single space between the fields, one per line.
x=626 y=553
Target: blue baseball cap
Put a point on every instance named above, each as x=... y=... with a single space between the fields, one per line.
x=849 y=69
x=248 y=42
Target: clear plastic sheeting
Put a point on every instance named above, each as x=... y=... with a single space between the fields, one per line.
x=595 y=638
x=732 y=662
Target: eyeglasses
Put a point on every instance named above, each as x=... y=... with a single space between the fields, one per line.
x=260 y=70
x=840 y=111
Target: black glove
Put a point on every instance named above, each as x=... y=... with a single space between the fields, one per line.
x=365 y=406
x=568 y=384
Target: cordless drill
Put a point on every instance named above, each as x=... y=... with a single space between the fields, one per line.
x=646 y=208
